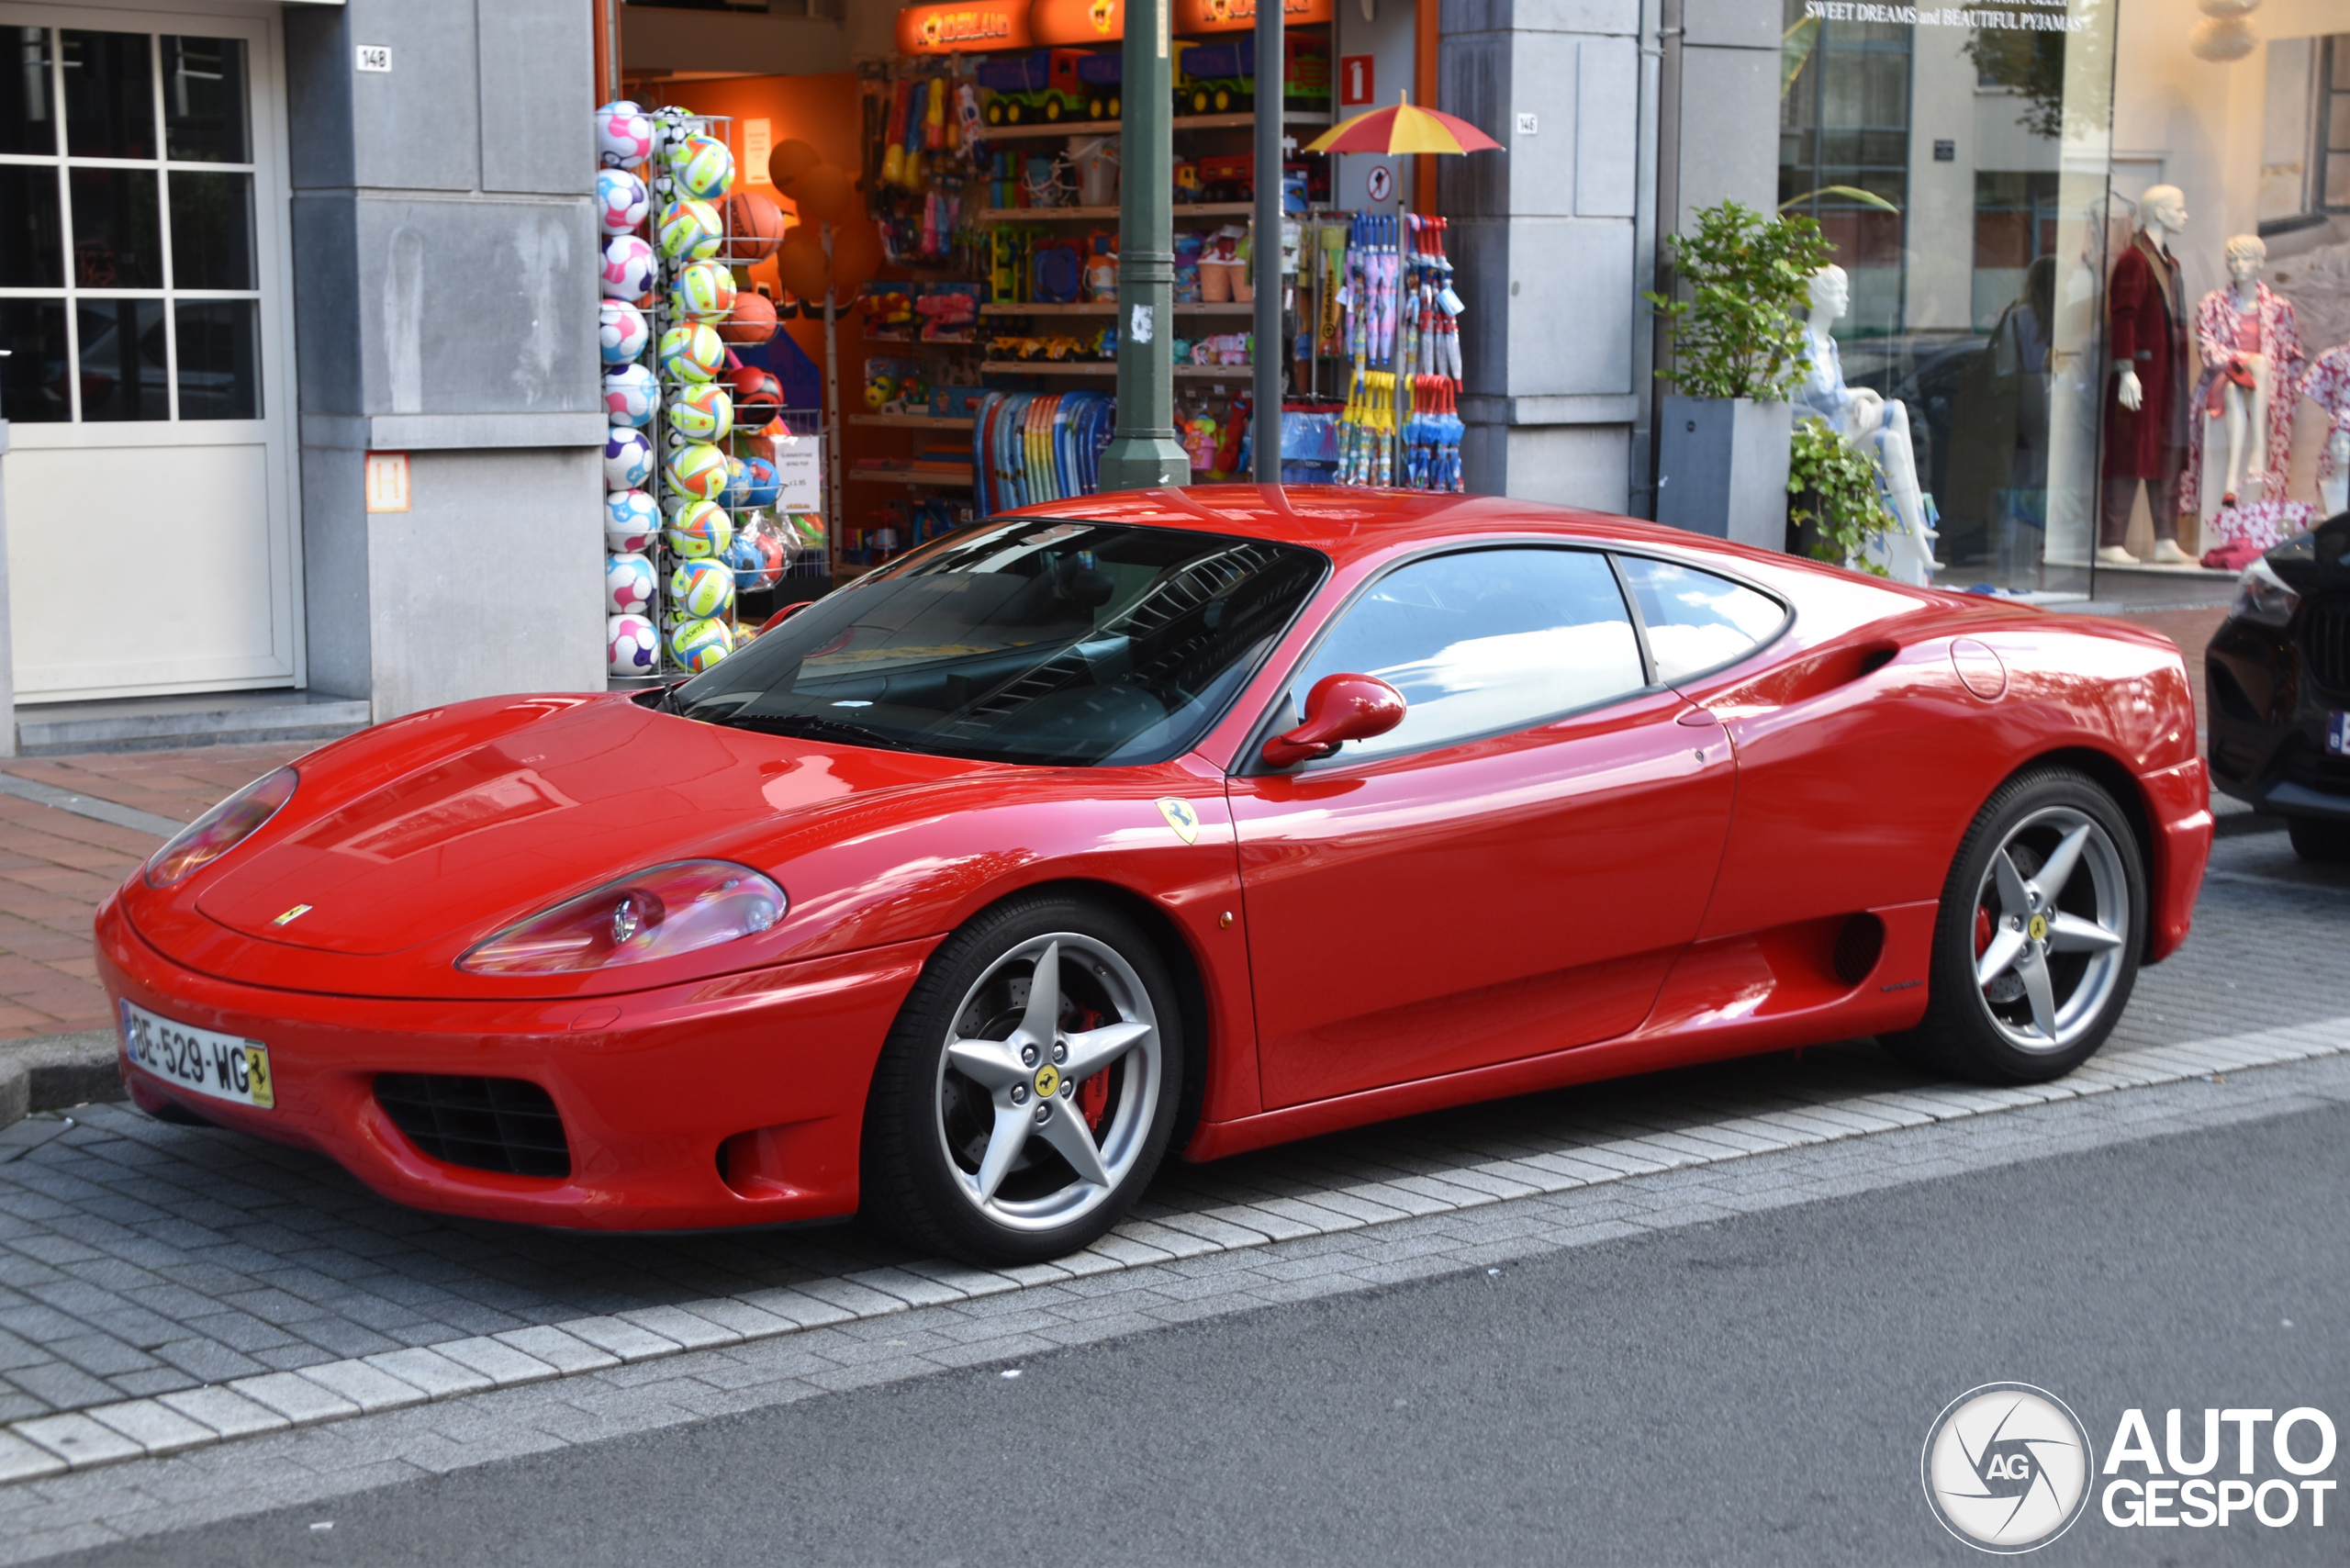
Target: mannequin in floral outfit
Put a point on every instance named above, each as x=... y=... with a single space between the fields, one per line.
x=2328 y=386
x=2252 y=358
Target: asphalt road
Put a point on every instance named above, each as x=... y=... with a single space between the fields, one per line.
x=1754 y=1389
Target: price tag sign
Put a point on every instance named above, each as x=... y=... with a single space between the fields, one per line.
x=799 y=473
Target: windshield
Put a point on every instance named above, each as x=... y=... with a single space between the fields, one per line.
x=1033 y=641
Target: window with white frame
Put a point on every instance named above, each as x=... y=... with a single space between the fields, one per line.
x=128 y=265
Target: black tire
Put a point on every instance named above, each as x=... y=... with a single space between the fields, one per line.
x=1976 y=1029
x=2322 y=841
x=932 y=1195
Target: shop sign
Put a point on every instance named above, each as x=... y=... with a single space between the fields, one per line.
x=1059 y=23
x=1235 y=15
x=964 y=26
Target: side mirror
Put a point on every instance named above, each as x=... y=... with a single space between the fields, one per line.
x=1341 y=708
x=780 y=616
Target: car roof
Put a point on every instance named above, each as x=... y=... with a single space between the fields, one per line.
x=1346 y=523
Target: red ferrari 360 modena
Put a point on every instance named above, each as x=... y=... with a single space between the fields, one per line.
x=1196 y=818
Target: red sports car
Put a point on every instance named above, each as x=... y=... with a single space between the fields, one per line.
x=1195 y=819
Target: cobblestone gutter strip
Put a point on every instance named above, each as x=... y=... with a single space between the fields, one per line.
x=173 y=1422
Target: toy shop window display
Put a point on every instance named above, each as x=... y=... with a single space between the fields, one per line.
x=692 y=462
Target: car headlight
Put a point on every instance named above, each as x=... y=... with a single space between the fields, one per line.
x=2263 y=598
x=221 y=829
x=657 y=912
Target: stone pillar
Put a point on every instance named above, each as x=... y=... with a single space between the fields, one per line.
x=1543 y=239
x=446 y=293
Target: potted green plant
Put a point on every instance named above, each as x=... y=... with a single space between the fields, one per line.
x=1837 y=507
x=1737 y=351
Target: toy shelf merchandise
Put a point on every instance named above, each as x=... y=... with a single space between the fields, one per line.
x=714 y=492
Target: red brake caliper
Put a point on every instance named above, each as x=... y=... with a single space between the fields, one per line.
x=1982 y=930
x=1093 y=1094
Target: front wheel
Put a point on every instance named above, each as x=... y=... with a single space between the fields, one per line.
x=2037 y=941
x=2322 y=841
x=1028 y=1090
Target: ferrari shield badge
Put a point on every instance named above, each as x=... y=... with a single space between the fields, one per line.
x=1181 y=818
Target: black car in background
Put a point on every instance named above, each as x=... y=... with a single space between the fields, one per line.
x=2278 y=673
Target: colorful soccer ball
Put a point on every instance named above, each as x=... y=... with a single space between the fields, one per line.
x=621 y=201
x=691 y=353
x=702 y=166
x=627 y=585
x=631 y=395
x=704 y=292
x=630 y=267
x=697 y=471
x=631 y=521
x=700 y=531
x=623 y=135
x=628 y=459
x=621 y=332
x=701 y=588
x=630 y=645
x=759 y=480
x=691 y=231
x=701 y=412
x=699 y=644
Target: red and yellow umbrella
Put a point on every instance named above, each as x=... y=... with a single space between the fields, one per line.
x=1401 y=129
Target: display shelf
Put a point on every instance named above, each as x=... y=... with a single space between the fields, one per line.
x=1107 y=368
x=1110 y=308
x=909 y=421
x=1245 y=119
x=1110 y=214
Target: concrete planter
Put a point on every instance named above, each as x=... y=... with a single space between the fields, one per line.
x=1722 y=467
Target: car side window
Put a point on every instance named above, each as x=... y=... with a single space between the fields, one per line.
x=1480 y=642
x=1697 y=620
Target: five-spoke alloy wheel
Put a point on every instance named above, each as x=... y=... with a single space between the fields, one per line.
x=2037 y=942
x=1029 y=1087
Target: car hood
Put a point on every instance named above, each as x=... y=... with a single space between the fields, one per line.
x=495 y=830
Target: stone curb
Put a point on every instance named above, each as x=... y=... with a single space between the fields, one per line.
x=50 y=1072
x=50 y=1445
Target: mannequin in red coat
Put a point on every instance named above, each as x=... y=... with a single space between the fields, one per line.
x=2146 y=435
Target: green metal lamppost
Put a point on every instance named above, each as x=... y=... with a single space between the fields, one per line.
x=1144 y=454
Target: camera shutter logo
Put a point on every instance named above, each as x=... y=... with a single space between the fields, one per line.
x=2006 y=1467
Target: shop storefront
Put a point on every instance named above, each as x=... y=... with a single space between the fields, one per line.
x=1988 y=175
x=944 y=287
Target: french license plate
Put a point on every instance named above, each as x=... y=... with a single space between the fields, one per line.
x=220 y=1067
x=2338 y=734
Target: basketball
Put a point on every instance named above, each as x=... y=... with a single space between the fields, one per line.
x=751 y=321
x=754 y=227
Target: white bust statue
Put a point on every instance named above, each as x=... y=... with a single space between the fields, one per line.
x=1871 y=423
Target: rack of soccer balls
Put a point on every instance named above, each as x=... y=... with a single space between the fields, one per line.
x=690 y=521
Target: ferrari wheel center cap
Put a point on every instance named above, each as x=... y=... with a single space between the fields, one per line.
x=1047 y=1082
x=2038 y=929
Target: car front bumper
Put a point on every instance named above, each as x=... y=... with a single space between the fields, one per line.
x=2267 y=719
x=734 y=1100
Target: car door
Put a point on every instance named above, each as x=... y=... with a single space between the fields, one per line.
x=1513 y=869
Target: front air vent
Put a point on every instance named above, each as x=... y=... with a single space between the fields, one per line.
x=507 y=1125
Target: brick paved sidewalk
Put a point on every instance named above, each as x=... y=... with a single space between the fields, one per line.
x=56 y=867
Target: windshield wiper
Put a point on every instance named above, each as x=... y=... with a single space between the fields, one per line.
x=807 y=727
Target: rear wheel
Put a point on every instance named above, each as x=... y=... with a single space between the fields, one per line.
x=2036 y=943
x=1029 y=1087
x=2319 y=840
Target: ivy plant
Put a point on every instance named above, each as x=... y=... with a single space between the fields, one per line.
x=1826 y=468
x=1740 y=332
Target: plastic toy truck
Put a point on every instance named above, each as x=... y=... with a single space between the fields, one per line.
x=1044 y=86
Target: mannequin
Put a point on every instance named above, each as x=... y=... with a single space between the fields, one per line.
x=2328 y=386
x=2145 y=437
x=2251 y=349
x=1868 y=421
